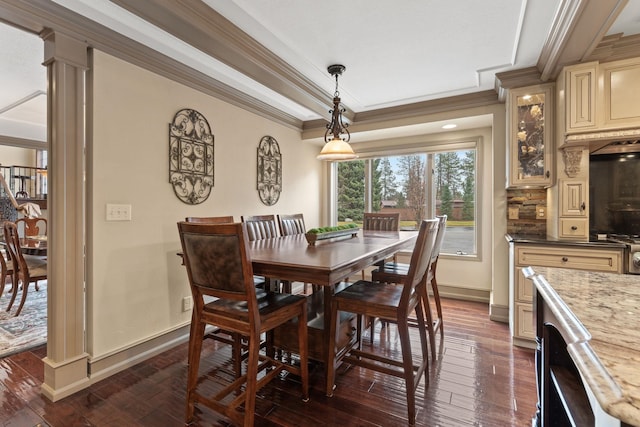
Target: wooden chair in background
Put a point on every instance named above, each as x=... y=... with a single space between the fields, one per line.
x=26 y=269
x=32 y=226
x=236 y=309
x=210 y=219
x=395 y=304
x=6 y=271
x=291 y=225
x=260 y=226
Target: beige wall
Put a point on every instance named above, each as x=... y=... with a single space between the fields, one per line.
x=135 y=281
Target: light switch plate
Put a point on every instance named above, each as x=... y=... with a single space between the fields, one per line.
x=118 y=212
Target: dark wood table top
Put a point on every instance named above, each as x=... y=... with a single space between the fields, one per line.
x=328 y=261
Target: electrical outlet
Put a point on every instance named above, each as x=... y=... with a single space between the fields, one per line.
x=118 y=212
x=541 y=212
x=187 y=303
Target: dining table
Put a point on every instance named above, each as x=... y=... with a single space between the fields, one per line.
x=34 y=245
x=327 y=263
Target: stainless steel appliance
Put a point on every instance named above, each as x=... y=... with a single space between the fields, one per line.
x=632 y=251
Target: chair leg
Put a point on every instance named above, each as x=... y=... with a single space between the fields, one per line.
x=252 y=378
x=429 y=322
x=436 y=297
x=14 y=290
x=407 y=363
x=23 y=299
x=422 y=329
x=195 y=348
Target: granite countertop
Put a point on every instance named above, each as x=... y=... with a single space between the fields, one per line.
x=546 y=240
x=602 y=313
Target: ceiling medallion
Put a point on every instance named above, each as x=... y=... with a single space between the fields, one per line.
x=269 y=171
x=190 y=156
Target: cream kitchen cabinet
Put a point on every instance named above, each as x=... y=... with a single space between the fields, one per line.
x=521 y=314
x=530 y=142
x=581 y=88
x=574 y=218
x=602 y=97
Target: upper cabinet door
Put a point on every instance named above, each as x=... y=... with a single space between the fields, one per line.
x=581 y=84
x=530 y=136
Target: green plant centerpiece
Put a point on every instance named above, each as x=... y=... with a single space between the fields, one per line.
x=322 y=233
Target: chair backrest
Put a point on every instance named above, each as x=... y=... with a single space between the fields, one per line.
x=217 y=261
x=291 y=224
x=260 y=227
x=210 y=219
x=421 y=256
x=14 y=250
x=442 y=225
x=378 y=221
x=32 y=226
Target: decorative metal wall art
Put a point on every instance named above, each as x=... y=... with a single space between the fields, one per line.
x=269 y=170
x=191 y=156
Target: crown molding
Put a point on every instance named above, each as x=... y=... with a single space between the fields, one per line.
x=516 y=78
x=49 y=15
x=616 y=47
x=197 y=24
x=23 y=142
x=371 y=118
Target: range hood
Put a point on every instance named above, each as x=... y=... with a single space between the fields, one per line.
x=607 y=141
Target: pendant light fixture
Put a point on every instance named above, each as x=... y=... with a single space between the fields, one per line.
x=338 y=147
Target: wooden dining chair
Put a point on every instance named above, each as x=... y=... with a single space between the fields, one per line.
x=379 y=221
x=6 y=271
x=395 y=272
x=395 y=304
x=32 y=226
x=210 y=219
x=215 y=333
x=218 y=266
x=261 y=227
x=290 y=225
x=26 y=269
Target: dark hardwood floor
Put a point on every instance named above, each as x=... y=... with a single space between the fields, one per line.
x=478 y=379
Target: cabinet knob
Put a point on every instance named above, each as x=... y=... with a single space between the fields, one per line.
x=547 y=174
x=583 y=206
x=574 y=228
x=565 y=259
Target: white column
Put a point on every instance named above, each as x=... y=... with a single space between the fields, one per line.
x=65 y=367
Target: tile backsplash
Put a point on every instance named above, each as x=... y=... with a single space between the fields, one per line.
x=526 y=211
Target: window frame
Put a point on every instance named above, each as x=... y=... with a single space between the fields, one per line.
x=429 y=150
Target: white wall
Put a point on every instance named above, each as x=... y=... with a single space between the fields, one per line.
x=135 y=281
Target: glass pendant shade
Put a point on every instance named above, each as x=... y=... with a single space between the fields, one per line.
x=336 y=149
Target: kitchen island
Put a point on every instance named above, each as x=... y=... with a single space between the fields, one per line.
x=588 y=347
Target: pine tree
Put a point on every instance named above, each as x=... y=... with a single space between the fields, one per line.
x=351 y=190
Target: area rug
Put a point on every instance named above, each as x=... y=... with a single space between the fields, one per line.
x=27 y=330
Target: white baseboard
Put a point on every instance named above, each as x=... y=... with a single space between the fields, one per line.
x=103 y=367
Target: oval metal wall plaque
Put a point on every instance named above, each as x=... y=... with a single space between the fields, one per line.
x=190 y=156
x=269 y=170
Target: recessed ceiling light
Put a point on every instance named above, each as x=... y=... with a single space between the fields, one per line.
x=449 y=126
